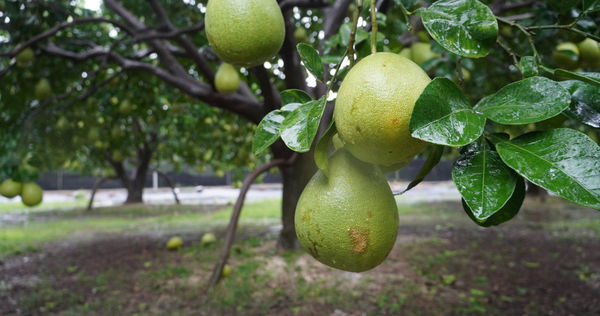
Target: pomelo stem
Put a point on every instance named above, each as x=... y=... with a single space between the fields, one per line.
x=373 y=28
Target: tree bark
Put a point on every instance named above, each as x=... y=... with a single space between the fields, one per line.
x=134 y=193
x=295 y=178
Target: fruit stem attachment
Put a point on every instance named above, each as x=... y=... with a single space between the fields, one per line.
x=373 y=28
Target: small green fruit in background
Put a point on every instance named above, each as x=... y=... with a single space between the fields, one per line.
x=301 y=36
x=227 y=79
x=25 y=57
x=174 y=243
x=31 y=194
x=125 y=107
x=244 y=32
x=117 y=155
x=208 y=239
x=43 y=89
x=226 y=271
x=421 y=52
x=423 y=36
x=10 y=188
x=115 y=132
x=566 y=55
x=406 y=53
x=589 y=52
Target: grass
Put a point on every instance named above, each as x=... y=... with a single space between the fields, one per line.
x=79 y=224
x=82 y=225
x=18 y=207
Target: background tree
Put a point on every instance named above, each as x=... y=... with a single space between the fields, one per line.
x=166 y=40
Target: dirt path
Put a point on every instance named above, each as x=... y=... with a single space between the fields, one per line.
x=441 y=265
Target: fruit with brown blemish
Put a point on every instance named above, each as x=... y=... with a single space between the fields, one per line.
x=347 y=218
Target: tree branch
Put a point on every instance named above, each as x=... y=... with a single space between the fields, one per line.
x=272 y=98
x=288 y=4
x=55 y=29
x=237 y=209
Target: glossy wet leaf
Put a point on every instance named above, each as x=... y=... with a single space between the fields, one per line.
x=442 y=115
x=585 y=102
x=507 y=212
x=483 y=180
x=464 y=27
x=528 y=66
x=591 y=78
x=312 y=61
x=294 y=96
x=267 y=131
x=433 y=158
x=299 y=128
x=324 y=147
x=526 y=101
x=563 y=161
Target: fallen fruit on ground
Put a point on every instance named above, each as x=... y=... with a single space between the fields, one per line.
x=373 y=109
x=10 y=188
x=566 y=55
x=226 y=271
x=208 y=238
x=227 y=79
x=244 y=32
x=174 y=243
x=31 y=194
x=347 y=219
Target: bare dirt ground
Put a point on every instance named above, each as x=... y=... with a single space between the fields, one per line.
x=545 y=262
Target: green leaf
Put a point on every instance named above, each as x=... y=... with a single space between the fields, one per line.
x=323 y=148
x=435 y=154
x=483 y=180
x=267 y=131
x=299 y=128
x=294 y=96
x=590 y=78
x=442 y=115
x=528 y=66
x=312 y=61
x=585 y=102
x=563 y=161
x=527 y=101
x=507 y=212
x=590 y=6
x=464 y=27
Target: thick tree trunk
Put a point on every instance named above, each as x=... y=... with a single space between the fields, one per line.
x=135 y=192
x=295 y=178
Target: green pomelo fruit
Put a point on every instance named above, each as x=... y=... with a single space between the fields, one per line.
x=31 y=194
x=227 y=79
x=10 y=188
x=373 y=109
x=349 y=219
x=244 y=32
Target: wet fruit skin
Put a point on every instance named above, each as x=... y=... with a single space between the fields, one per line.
x=244 y=32
x=349 y=219
x=373 y=109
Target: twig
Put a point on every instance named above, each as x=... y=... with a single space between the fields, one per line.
x=237 y=209
x=170 y=184
x=97 y=185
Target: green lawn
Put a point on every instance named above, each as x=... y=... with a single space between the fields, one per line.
x=80 y=224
